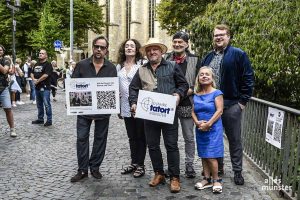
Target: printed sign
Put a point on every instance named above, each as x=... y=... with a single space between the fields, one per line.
x=274 y=127
x=89 y=96
x=156 y=107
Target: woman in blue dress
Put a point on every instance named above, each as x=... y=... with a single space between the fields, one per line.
x=207 y=111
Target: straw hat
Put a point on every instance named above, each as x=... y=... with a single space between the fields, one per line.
x=153 y=42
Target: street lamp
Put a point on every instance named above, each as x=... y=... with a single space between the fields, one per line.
x=14 y=9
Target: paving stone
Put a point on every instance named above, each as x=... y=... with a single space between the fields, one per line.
x=40 y=161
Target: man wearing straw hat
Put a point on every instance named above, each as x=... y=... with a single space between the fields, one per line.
x=162 y=76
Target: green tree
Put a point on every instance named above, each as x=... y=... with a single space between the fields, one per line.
x=175 y=15
x=47 y=31
x=269 y=32
x=87 y=15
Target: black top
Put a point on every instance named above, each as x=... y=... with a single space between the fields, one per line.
x=39 y=70
x=86 y=69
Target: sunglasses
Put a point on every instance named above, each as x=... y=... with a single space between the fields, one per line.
x=101 y=47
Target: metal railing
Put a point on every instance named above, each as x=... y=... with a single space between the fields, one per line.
x=281 y=166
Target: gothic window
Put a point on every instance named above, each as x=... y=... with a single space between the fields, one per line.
x=151 y=17
x=107 y=7
x=128 y=18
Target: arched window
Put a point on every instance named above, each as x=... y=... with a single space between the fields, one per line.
x=151 y=17
x=128 y=18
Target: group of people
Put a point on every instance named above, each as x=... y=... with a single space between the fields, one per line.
x=40 y=79
x=210 y=94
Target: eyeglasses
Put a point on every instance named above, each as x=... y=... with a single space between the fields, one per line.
x=101 y=47
x=220 y=35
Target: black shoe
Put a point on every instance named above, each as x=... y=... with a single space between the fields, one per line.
x=96 y=174
x=37 y=121
x=189 y=171
x=238 y=178
x=48 y=123
x=79 y=176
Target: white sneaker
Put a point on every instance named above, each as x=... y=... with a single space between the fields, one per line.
x=20 y=103
x=34 y=102
x=13 y=133
x=28 y=95
x=13 y=105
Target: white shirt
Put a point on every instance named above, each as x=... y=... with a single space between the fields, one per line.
x=124 y=81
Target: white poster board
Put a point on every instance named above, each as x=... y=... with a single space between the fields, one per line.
x=274 y=126
x=156 y=106
x=89 y=96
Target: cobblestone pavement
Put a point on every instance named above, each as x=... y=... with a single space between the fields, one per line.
x=39 y=163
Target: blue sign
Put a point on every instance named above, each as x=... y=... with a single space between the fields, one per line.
x=57 y=44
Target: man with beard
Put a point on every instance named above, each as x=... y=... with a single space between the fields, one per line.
x=94 y=67
x=235 y=78
x=189 y=65
x=162 y=76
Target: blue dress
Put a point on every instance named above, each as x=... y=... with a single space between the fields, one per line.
x=209 y=143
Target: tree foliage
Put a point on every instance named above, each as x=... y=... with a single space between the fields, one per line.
x=175 y=15
x=269 y=32
x=48 y=20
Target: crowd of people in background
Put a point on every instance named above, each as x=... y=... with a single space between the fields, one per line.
x=210 y=94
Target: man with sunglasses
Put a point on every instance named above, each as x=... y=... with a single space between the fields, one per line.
x=235 y=78
x=94 y=67
x=189 y=64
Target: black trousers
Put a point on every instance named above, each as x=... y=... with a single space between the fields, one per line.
x=153 y=132
x=231 y=119
x=99 y=145
x=137 y=140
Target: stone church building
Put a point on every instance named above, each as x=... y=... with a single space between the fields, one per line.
x=129 y=19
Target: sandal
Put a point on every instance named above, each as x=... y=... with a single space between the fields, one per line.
x=129 y=169
x=205 y=183
x=217 y=189
x=139 y=172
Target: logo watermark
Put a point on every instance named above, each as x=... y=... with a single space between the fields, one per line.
x=274 y=184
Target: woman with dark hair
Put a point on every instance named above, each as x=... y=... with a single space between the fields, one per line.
x=130 y=59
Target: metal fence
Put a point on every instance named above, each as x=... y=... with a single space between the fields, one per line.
x=281 y=166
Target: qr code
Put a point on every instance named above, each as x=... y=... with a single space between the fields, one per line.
x=277 y=132
x=106 y=100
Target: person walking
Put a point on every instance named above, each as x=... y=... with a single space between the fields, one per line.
x=4 y=91
x=162 y=76
x=206 y=113
x=130 y=60
x=54 y=76
x=235 y=78
x=189 y=64
x=41 y=75
x=96 y=66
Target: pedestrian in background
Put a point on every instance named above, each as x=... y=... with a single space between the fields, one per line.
x=41 y=75
x=206 y=113
x=54 y=76
x=31 y=84
x=19 y=76
x=130 y=60
x=94 y=67
x=26 y=67
x=235 y=78
x=4 y=91
x=189 y=64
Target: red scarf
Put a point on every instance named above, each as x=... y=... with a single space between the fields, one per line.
x=178 y=59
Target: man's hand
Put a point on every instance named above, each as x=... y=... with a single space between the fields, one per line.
x=133 y=109
x=35 y=81
x=177 y=98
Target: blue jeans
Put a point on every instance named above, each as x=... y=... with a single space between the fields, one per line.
x=43 y=99
x=32 y=90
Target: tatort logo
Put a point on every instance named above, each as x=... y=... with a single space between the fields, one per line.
x=155 y=108
x=79 y=85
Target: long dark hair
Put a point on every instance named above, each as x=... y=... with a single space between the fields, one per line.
x=122 y=57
